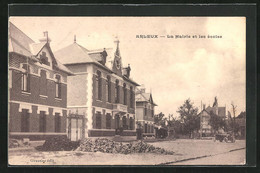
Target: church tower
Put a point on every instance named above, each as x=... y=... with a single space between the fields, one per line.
x=117 y=63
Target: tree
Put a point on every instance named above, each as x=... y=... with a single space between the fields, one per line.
x=160 y=119
x=242 y=115
x=216 y=122
x=233 y=122
x=189 y=117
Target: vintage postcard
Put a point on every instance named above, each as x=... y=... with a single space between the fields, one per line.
x=127 y=90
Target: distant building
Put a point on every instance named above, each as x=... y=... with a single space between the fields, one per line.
x=37 y=88
x=145 y=110
x=101 y=95
x=205 y=128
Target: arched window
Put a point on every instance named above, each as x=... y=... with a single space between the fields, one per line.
x=57 y=86
x=99 y=85
x=26 y=78
x=43 y=83
x=125 y=94
x=131 y=97
x=117 y=92
x=108 y=89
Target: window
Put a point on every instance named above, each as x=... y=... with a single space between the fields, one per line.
x=131 y=97
x=43 y=83
x=152 y=111
x=98 y=120
x=125 y=94
x=145 y=110
x=57 y=87
x=99 y=85
x=44 y=59
x=26 y=78
x=57 y=122
x=117 y=92
x=25 y=120
x=42 y=122
x=117 y=120
x=124 y=123
x=108 y=89
x=108 y=121
x=131 y=124
x=145 y=128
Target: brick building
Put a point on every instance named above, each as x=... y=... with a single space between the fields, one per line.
x=37 y=88
x=145 y=111
x=101 y=95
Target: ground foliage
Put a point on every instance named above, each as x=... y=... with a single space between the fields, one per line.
x=58 y=144
x=108 y=146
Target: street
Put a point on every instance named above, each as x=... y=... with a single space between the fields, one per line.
x=184 y=149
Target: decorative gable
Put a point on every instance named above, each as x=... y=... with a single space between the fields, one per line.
x=46 y=58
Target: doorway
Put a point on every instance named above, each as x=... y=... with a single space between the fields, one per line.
x=76 y=127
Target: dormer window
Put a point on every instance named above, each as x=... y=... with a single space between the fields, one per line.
x=58 y=86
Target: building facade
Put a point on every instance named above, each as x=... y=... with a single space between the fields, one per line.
x=145 y=111
x=101 y=95
x=37 y=88
x=205 y=128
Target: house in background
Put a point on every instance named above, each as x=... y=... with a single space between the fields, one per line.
x=145 y=111
x=37 y=88
x=205 y=128
x=101 y=95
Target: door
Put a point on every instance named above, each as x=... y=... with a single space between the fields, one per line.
x=76 y=127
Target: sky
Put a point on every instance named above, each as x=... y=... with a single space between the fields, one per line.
x=172 y=69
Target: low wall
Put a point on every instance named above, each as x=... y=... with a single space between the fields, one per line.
x=97 y=133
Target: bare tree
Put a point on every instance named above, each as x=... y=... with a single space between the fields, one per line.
x=234 y=115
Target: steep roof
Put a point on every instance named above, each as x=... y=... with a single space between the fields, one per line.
x=221 y=110
x=204 y=110
x=144 y=97
x=20 y=43
x=73 y=54
x=77 y=54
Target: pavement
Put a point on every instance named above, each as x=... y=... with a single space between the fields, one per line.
x=228 y=158
x=186 y=152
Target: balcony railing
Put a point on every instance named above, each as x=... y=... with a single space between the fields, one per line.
x=119 y=107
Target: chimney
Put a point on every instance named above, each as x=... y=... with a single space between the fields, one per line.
x=104 y=56
x=126 y=71
x=204 y=106
x=140 y=89
x=45 y=37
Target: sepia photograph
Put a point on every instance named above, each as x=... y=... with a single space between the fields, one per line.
x=126 y=90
